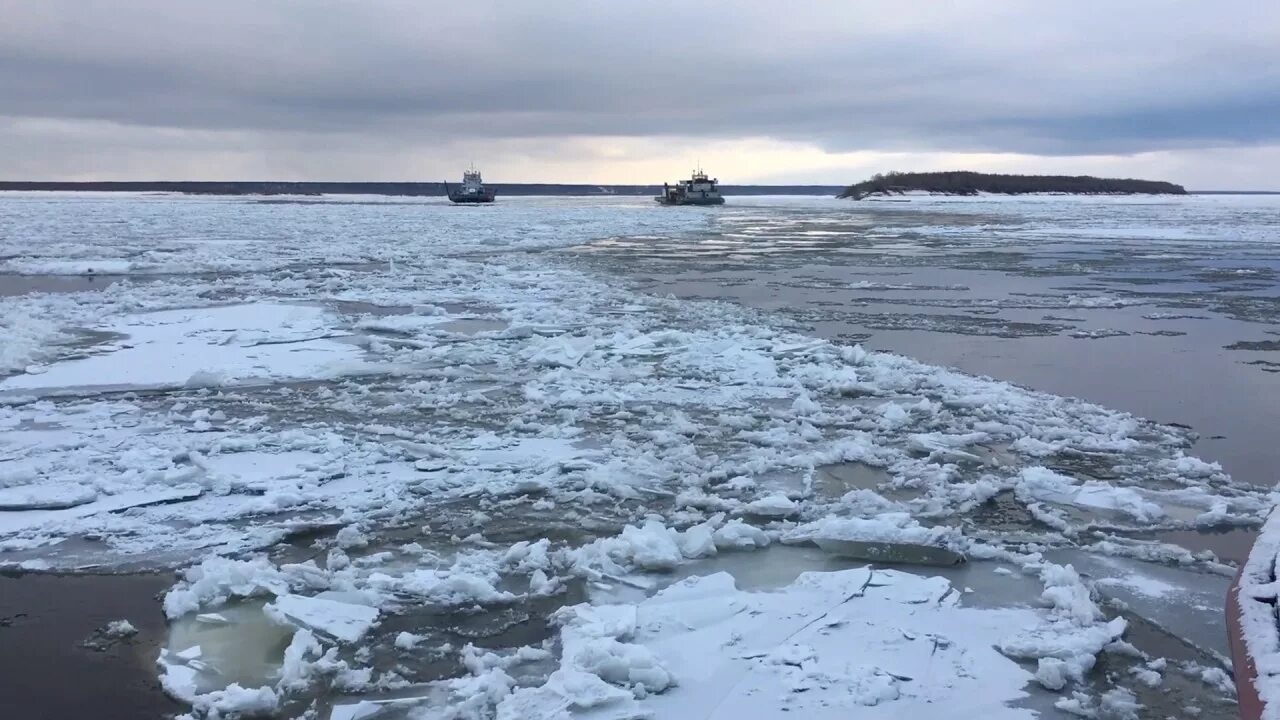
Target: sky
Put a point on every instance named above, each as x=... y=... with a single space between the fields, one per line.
x=639 y=92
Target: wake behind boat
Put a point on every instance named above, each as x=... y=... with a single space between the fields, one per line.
x=472 y=189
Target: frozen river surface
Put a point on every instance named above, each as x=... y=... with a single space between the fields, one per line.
x=577 y=457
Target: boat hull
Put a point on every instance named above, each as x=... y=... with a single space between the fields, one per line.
x=1259 y=568
x=690 y=201
x=471 y=199
x=1243 y=667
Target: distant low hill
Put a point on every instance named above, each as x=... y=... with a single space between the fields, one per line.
x=972 y=183
x=260 y=187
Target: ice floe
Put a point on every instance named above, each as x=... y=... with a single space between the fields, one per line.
x=276 y=434
x=46 y=497
x=343 y=621
x=198 y=347
x=703 y=648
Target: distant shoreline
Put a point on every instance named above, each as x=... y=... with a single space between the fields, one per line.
x=394 y=189
x=255 y=188
x=964 y=182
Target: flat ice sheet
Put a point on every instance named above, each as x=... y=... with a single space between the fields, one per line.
x=204 y=346
x=340 y=620
x=15 y=521
x=54 y=496
x=856 y=643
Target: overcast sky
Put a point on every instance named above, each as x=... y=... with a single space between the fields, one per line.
x=636 y=92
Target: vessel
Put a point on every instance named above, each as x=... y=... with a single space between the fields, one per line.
x=472 y=189
x=697 y=190
x=1253 y=632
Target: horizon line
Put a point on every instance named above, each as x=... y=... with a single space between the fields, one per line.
x=1201 y=191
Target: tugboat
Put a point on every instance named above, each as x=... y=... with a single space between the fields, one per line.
x=697 y=190
x=472 y=190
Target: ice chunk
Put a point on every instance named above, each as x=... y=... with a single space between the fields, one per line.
x=15 y=521
x=236 y=701
x=805 y=405
x=1070 y=599
x=53 y=496
x=206 y=379
x=340 y=620
x=99 y=266
x=1119 y=704
x=775 y=505
x=1077 y=647
x=653 y=546
x=1040 y=483
x=1052 y=673
x=1184 y=601
x=120 y=629
x=615 y=621
x=573 y=690
x=407 y=640
x=561 y=351
x=619 y=663
x=446 y=587
x=946 y=447
x=890 y=552
x=738 y=535
x=351 y=537
x=355 y=711
x=1147 y=676
x=698 y=541
x=217 y=579
x=527 y=556
x=230 y=342
x=296 y=668
x=758 y=654
x=888 y=537
x=1127 y=500
x=195 y=652
x=178 y=679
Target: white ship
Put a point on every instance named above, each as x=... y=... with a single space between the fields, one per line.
x=697 y=190
x=472 y=190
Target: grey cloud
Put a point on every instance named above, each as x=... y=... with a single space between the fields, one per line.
x=1045 y=78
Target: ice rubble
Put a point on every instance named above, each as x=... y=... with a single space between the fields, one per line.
x=594 y=402
x=1040 y=483
x=699 y=645
x=884 y=527
x=737 y=654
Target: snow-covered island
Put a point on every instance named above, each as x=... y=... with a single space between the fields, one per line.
x=974 y=183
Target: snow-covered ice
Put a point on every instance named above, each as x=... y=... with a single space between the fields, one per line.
x=343 y=621
x=46 y=497
x=703 y=648
x=198 y=347
x=301 y=429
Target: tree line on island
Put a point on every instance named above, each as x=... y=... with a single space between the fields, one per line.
x=972 y=183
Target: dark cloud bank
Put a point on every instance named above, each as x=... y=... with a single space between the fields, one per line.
x=1040 y=78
